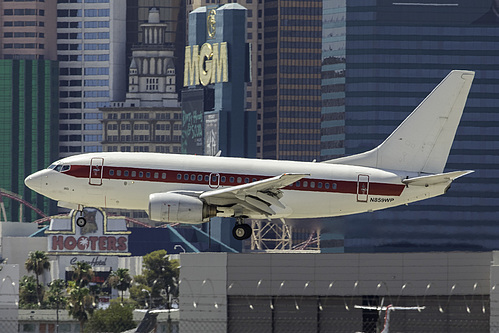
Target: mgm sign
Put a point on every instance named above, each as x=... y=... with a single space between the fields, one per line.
x=206 y=66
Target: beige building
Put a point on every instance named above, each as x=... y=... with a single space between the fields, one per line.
x=150 y=119
x=29 y=30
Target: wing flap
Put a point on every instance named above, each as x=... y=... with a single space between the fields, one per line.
x=436 y=179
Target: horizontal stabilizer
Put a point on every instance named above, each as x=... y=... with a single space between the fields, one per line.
x=436 y=179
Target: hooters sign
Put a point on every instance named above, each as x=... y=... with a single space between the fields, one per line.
x=101 y=235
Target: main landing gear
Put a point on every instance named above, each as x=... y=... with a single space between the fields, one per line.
x=241 y=230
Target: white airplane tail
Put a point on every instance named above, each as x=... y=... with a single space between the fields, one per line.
x=423 y=141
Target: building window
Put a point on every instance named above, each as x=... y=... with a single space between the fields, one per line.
x=152 y=84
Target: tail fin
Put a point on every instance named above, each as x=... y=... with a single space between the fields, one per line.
x=423 y=141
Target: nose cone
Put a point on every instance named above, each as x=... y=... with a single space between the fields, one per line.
x=34 y=181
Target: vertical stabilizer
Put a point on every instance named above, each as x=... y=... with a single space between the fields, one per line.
x=423 y=141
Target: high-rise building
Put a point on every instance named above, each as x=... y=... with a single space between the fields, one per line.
x=171 y=13
x=28 y=99
x=292 y=79
x=254 y=37
x=92 y=57
x=28 y=29
x=380 y=60
x=150 y=118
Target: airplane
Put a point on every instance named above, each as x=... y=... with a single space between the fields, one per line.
x=407 y=167
x=388 y=309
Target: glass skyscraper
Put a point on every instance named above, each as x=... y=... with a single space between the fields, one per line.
x=292 y=80
x=91 y=40
x=380 y=59
x=28 y=115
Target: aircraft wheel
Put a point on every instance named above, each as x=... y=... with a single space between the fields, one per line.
x=242 y=231
x=81 y=222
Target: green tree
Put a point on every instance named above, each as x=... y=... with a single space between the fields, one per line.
x=56 y=297
x=28 y=297
x=116 y=318
x=82 y=273
x=159 y=274
x=120 y=280
x=80 y=303
x=38 y=263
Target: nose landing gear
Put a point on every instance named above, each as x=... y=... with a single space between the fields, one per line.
x=241 y=230
x=81 y=221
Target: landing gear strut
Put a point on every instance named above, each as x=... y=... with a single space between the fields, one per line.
x=241 y=230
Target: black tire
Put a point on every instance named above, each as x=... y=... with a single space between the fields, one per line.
x=81 y=222
x=242 y=231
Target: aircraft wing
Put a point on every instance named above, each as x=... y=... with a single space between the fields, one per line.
x=256 y=196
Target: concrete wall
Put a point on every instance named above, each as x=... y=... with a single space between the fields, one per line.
x=17 y=249
x=295 y=292
x=9 y=297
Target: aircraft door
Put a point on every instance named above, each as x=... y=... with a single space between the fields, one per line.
x=362 y=188
x=214 y=180
x=96 y=171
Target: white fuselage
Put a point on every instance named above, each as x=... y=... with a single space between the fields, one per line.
x=125 y=181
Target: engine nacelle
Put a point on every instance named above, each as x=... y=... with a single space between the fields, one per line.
x=179 y=208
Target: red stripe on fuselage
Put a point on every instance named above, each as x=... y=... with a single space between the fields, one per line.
x=230 y=179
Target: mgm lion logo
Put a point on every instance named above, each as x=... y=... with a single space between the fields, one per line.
x=211 y=23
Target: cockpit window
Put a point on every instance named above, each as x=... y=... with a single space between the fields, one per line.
x=59 y=167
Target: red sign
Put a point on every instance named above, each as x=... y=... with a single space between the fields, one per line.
x=89 y=243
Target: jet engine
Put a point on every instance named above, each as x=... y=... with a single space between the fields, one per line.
x=179 y=208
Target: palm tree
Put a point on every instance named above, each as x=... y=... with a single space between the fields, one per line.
x=82 y=273
x=80 y=303
x=121 y=280
x=37 y=263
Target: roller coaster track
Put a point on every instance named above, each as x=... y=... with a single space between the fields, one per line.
x=18 y=198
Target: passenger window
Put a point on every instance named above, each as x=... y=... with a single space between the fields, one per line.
x=239 y=180
x=312 y=184
x=186 y=177
x=231 y=179
x=111 y=172
x=305 y=184
x=118 y=172
x=126 y=173
x=141 y=174
x=326 y=185
x=319 y=184
x=156 y=175
x=200 y=178
x=297 y=184
x=334 y=186
x=179 y=176
x=246 y=180
x=193 y=177
x=134 y=173
x=207 y=178
x=148 y=175
x=223 y=179
x=163 y=175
